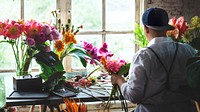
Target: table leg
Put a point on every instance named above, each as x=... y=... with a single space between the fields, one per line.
x=32 y=108
x=51 y=108
x=44 y=108
x=57 y=107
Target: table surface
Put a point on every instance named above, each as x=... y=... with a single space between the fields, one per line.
x=98 y=92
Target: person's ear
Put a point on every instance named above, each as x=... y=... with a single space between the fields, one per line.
x=146 y=29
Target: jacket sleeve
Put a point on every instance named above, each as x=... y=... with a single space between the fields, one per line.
x=133 y=90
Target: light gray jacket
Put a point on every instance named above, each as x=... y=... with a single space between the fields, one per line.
x=147 y=77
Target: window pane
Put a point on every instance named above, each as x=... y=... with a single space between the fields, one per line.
x=2 y=92
x=39 y=10
x=34 y=9
x=94 y=39
x=10 y=9
x=121 y=45
x=7 y=59
x=87 y=15
x=120 y=14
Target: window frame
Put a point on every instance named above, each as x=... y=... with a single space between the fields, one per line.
x=64 y=7
x=103 y=32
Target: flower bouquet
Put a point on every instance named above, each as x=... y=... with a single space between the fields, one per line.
x=119 y=67
x=192 y=37
x=51 y=62
x=192 y=34
x=73 y=106
x=67 y=45
x=189 y=33
x=26 y=39
x=102 y=57
x=180 y=26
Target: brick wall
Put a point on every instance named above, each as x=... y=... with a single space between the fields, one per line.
x=177 y=8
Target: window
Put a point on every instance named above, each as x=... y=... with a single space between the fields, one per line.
x=110 y=21
x=38 y=10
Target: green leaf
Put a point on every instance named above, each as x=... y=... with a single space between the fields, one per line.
x=83 y=61
x=49 y=63
x=140 y=38
x=79 y=53
x=124 y=69
x=193 y=72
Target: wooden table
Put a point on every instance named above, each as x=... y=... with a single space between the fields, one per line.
x=53 y=101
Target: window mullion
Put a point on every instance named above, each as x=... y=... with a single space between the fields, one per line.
x=22 y=9
x=103 y=21
x=102 y=32
x=65 y=16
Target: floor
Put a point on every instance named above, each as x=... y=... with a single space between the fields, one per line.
x=92 y=107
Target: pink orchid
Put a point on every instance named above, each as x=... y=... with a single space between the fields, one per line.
x=95 y=53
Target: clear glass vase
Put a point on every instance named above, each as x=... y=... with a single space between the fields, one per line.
x=24 y=68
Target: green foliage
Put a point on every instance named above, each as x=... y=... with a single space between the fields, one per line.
x=52 y=69
x=193 y=72
x=124 y=69
x=77 y=52
x=52 y=65
x=140 y=38
x=49 y=63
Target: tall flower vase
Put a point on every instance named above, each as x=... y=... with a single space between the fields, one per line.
x=25 y=69
x=23 y=63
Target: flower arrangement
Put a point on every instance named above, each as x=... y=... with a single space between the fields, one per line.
x=180 y=26
x=192 y=34
x=95 y=53
x=192 y=37
x=73 y=106
x=27 y=38
x=51 y=62
x=186 y=32
x=119 y=67
x=67 y=45
x=103 y=58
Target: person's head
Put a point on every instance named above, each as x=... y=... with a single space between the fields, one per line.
x=155 y=21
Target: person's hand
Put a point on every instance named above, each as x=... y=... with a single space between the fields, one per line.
x=117 y=79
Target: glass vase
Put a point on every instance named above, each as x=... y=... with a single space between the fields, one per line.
x=25 y=68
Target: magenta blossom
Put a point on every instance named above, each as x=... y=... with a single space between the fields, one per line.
x=30 y=42
x=55 y=34
x=95 y=53
x=46 y=29
x=115 y=65
x=104 y=48
x=47 y=49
